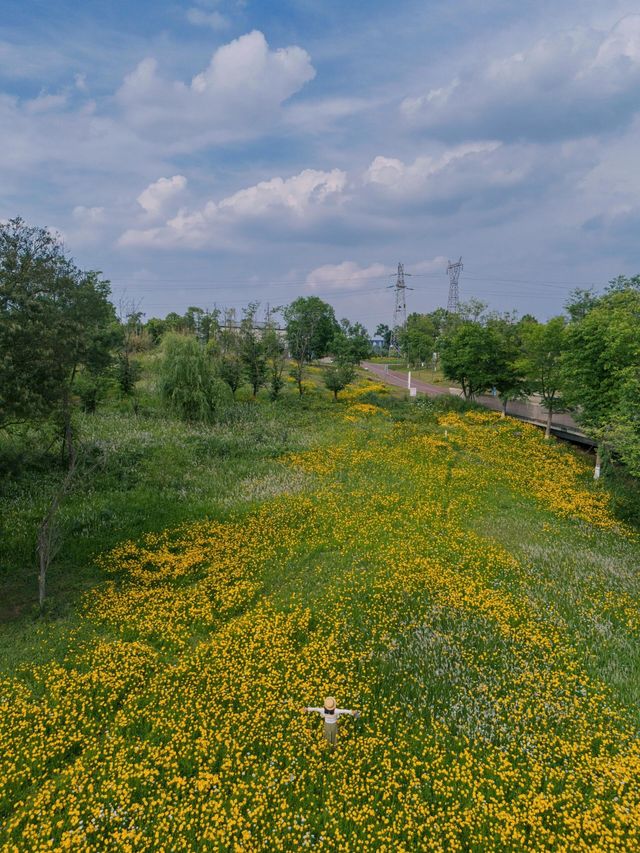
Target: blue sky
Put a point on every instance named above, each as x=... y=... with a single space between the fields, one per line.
x=214 y=152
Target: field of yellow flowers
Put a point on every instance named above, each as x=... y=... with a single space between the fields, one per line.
x=459 y=580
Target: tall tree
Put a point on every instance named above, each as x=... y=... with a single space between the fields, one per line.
x=350 y=343
x=251 y=349
x=275 y=351
x=601 y=369
x=311 y=325
x=508 y=378
x=469 y=356
x=188 y=383
x=418 y=339
x=54 y=320
x=541 y=362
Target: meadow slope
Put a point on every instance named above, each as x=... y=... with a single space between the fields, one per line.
x=454 y=576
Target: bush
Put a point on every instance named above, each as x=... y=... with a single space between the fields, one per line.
x=127 y=373
x=431 y=407
x=189 y=386
x=91 y=389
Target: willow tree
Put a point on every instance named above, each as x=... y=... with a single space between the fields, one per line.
x=189 y=385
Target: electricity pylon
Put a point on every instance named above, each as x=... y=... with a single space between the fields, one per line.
x=453 y=305
x=400 y=310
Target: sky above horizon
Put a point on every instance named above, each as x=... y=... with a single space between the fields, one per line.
x=217 y=152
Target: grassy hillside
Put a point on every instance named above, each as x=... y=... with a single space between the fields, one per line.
x=453 y=576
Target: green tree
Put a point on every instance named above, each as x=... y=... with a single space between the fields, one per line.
x=55 y=320
x=470 y=354
x=508 y=377
x=173 y=322
x=418 y=339
x=338 y=376
x=471 y=311
x=541 y=362
x=601 y=369
x=193 y=319
x=155 y=328
x=209 y=326
x=383 y=331
x=275 y=351
x=311 y=326
x=350 y=343
x=230 y=370
x=580 y=302
x=188 y=383
x=251 y=349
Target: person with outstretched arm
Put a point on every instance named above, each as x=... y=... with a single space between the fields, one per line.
x=330 y=715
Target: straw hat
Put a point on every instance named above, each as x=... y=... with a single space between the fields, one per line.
x=330 y=703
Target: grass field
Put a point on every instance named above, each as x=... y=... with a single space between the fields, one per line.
x=452 y=575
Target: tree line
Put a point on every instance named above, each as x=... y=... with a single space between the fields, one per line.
x=586 y=361
x=62 y=342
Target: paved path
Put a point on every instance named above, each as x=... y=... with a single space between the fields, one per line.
x=400 y=379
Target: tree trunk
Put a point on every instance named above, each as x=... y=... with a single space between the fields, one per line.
x=504 y=408
x=48 y=530
x=547 y=432
x=596 y=470
x=335 y=395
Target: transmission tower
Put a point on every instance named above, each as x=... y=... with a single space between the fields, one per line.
x=453 y=270
x=400 y=310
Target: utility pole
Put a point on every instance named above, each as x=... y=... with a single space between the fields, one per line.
x=400 y=310
x=453 y=271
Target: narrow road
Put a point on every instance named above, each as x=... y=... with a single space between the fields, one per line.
x=400 y=379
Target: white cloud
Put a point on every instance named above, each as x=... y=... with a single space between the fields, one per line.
x=294 y=201
x=200 y=18
x=308 y=189
x=622 y=43
x=157 y=195
x=471 y=165
x=239 y=93
x=567 y=85
x=348 y=276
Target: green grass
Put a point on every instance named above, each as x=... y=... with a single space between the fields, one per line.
x=489 y=635
x=140 y=473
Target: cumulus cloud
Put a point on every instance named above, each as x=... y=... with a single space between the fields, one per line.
x=480 y=170
x=394 y=174
x=113 y=139
x=568 y=85
x=294 y=202
x=237 y=94
x=158 y=194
